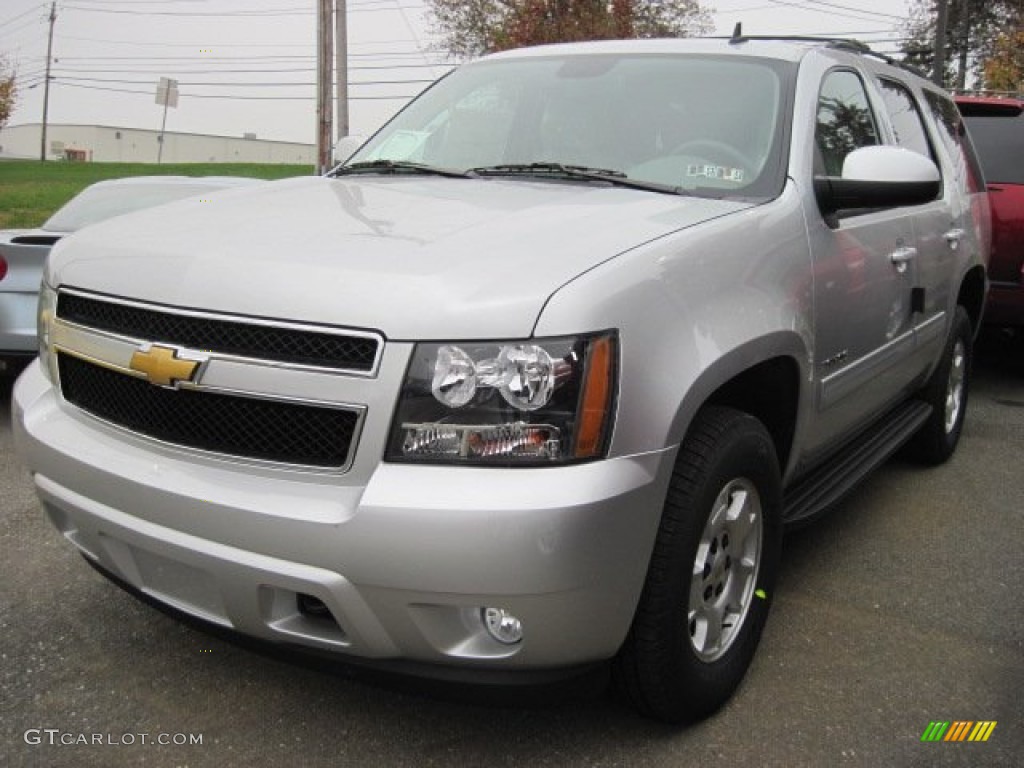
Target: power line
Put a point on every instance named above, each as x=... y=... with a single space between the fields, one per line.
x=36 y=72
x=175 y=70
x=291 y=11
x=381 y=55
x=22 y=79
x=144 y=2
x=194 y=2
x=192 y=59
x=197 y=68
x=743 y=10
x=26 y=25
x=152 y=44
x=231 y=98
x=858 y=10
x=865 y=15
x=363 y=7
x=233 y=83
x=400 y=8
x=179 y=72
x=22 y=14
x=368 y=67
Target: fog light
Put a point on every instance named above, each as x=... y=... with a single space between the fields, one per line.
x=502 y=625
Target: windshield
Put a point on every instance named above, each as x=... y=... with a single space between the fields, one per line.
x=706 y=124
x=100 y=202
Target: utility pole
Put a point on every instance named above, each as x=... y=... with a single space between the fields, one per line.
x=325 y=52
x=46 y=83
x=341 y=66
x=942 y=16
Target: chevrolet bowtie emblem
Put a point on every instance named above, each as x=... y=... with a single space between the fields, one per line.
x=161 y=366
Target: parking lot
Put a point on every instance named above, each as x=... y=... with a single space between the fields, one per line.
x=901 y=608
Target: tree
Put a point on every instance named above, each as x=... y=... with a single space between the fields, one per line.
x=470 y=28
x=972 y=30
x=1003 y=71
x=8 y=92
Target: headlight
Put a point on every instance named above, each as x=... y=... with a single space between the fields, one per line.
x=45 y=314
x=530 y=402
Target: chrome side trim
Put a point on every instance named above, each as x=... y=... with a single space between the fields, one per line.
x=839 y=384
x=842 y=383
x=931 y=329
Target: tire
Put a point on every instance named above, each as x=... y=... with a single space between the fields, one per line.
x=946 y=391
x=677 y=663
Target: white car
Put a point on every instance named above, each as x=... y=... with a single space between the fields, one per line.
x=23 y=251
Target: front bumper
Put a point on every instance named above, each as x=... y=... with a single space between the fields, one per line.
x=404 y=563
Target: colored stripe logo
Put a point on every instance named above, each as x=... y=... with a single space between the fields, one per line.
x=958 y=730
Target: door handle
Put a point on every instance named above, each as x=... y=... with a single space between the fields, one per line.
x=901 y=257
x=953 y=237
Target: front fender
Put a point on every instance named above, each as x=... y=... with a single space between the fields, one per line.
x=693 y=310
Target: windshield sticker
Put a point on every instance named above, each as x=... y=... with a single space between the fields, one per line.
x=720 y=172
x=402 y=145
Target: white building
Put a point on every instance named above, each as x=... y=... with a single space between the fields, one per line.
x=108 y=144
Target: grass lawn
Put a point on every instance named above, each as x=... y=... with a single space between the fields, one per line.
x=30 y=190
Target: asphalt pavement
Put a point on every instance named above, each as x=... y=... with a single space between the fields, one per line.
x=900 y=609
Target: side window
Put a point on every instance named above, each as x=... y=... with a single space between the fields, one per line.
x=953 y=135
x=905 y=117
x=845 y=121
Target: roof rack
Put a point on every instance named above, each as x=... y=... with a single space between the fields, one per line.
x=838 y=43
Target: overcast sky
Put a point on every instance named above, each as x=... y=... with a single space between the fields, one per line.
x=249 y=65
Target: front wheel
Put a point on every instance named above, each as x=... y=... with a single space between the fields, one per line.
x=710 y=581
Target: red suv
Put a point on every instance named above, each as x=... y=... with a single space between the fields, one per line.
x=996 y=126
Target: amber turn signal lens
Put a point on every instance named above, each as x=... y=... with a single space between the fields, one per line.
x=597 y=398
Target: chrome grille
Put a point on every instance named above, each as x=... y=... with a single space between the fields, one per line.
x=248 y=427
x=252 y=339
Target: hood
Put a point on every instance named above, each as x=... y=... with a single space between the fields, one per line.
x=411 y=257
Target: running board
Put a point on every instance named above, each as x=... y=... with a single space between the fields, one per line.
x=814 y=493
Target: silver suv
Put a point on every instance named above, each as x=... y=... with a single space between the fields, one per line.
x=533 y=382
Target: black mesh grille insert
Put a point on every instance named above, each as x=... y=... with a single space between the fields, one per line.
x=294 y=433
x=287 y=345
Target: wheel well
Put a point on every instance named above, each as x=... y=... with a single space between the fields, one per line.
x=972 y=295
x=769 y=392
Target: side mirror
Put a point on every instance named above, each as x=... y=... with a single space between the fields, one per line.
x=879 y=177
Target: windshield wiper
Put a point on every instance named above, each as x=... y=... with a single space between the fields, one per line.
x=537 y=170
x=563 y=171
x=397 y=166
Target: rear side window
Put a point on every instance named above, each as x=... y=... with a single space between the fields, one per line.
x=845 y=121
x=905 y=117
x=953 y=135
x=1000 y=144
